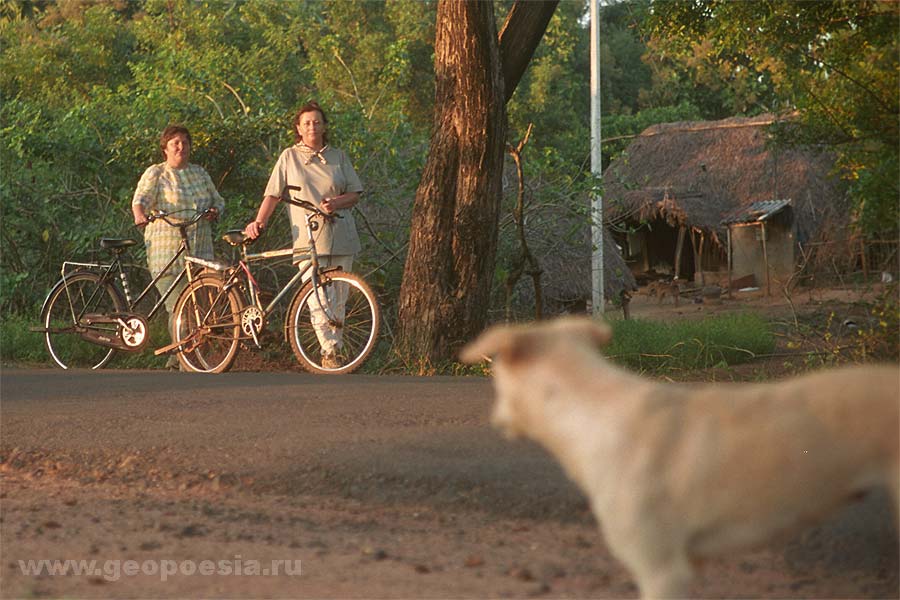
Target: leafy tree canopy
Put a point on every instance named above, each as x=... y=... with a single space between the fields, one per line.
x=832 y=62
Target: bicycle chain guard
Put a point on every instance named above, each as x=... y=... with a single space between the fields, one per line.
x=131 y=330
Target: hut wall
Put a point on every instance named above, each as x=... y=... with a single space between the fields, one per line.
x=715 y=265
x=748 y=258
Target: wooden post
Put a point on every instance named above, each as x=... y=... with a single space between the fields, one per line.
x=694 y=251
x=864 y=258
x=729 y=261
x=762 y=233
x=678 y=246
x=699 y=261
x=645 y=252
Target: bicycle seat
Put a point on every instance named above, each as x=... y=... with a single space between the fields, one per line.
x=236 y=237
x=116 y=243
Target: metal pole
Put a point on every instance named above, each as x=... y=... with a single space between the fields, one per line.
x=597 y=300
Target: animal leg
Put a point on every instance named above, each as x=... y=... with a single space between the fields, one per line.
x=664 y=582
x=658 y=561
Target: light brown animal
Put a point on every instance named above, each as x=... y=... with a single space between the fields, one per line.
x=677 y=473
x=661 y=289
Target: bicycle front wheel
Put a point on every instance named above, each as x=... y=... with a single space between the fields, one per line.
x=208 y=325
x=333 y=329
x=71 y=299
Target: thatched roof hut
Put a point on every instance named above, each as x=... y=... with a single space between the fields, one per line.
x=572 y=268
x=694 y=173
x=566 y=264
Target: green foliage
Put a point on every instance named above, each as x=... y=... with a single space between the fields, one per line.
x=554 y=93
x=827 y=340
x=20 y=346
x=687 y=345
x=834 y=62
x=86 y=87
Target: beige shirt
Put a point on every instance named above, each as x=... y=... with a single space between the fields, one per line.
x=324 y=174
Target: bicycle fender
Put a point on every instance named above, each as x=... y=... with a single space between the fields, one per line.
x=62 y=282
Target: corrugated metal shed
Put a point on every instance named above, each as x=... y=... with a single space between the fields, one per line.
x=756 y=212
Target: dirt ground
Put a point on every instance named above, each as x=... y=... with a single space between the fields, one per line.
x=270 y=546
x=845 y=302
x=157 y=524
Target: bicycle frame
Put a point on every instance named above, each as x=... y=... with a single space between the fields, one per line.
x=214 y=314
x=312 y=263
x=108 y=271
x=234 y=274
x=107 y=275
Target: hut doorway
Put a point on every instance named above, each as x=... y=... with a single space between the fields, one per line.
x=650 y=250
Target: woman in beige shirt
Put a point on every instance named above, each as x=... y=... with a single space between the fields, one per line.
x=327 y=180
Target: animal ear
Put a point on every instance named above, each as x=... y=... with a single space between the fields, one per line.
x=601 y=333
x=594 y=332
x=490 y=343
x=508 y=343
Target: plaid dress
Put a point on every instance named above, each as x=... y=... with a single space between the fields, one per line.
x=189 y=189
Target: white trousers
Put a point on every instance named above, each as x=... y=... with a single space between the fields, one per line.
x=335 y=297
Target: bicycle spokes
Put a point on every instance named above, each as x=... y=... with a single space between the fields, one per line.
x=333 y=327
x=206 y=327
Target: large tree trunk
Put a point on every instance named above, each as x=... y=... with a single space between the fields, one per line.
x=449 y=269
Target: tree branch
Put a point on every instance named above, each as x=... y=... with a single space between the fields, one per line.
x=519 y=38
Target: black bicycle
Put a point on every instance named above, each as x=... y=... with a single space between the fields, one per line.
x=90 y=312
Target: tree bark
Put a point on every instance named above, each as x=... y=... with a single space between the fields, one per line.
x=519 y=38
x=449 y=268
x=445 y=293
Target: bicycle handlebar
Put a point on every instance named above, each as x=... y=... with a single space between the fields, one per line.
x=308 y=205
x=161 y=214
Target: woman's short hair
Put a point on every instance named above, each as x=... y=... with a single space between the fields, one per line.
x=170 y=132
x=309 y=107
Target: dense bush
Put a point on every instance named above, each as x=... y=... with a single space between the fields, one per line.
x=88 y=86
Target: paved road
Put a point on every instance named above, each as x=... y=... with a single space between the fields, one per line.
x=367 y=436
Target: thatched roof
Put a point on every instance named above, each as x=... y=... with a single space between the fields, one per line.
x=695 y=173
x=574 y=264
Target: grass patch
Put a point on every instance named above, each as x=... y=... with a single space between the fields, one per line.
x=643 y=346
x=720 y=341
x=18 y=345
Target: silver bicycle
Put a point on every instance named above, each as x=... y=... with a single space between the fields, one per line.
x=216 y=313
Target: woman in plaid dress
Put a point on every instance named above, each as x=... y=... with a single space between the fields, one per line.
x=175 y=185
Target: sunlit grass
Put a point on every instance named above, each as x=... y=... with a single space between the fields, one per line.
x=684 y=345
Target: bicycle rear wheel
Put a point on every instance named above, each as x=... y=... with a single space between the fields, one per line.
x=71 y=298
x=350 y=332
x=208 y=324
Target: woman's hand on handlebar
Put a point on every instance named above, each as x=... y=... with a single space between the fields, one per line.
x=328 y=206
x=211 y=214
x=140 y=218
